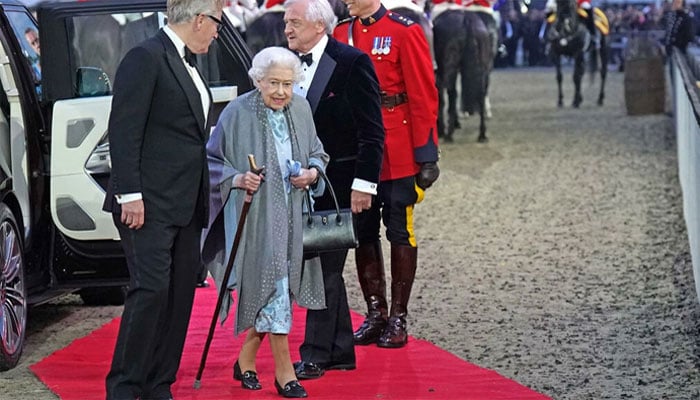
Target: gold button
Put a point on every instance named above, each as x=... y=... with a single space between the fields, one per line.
x=405 y=122
x=364 y=30
x=379 y=58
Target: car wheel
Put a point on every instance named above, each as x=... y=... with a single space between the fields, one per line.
x=13 y=293
x=103 y=296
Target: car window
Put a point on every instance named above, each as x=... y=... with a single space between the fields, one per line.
x=101 y=41
x=27 y=33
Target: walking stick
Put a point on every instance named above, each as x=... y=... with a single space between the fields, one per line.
x=227 y=274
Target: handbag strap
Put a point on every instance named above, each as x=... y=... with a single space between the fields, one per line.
x=321 y=174
x=329 y=187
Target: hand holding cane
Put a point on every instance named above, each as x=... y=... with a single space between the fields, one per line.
x=227 y=274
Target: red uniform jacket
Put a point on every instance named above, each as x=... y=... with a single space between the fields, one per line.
x=401 y=58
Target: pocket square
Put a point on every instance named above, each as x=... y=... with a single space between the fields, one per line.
x=330 y=95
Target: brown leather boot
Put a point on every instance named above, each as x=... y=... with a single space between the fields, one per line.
x=403 y=272
x=370 y=271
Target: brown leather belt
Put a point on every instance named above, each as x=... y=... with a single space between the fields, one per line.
x=393 y=100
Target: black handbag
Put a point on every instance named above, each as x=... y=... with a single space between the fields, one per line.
x=328 y=230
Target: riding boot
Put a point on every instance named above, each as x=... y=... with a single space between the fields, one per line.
x=403 y=272
x=370 y=271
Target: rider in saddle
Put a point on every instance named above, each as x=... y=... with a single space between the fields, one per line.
x=589 y=20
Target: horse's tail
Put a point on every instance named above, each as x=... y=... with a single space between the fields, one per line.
x=475 y=63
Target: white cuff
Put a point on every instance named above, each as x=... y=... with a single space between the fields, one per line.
x=364 y=186
x=128 y=197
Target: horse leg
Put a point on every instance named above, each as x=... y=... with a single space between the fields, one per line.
x=482 y=127
x=487 y=106
x=482 y=117
x=603 y=68
x=451 y=110
x=441 y=105
x=483 y=99
x=578 y=75
x=441 y=111
x=557 y=63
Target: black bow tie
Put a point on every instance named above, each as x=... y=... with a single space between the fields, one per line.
x=190 y=57
x=306 y=58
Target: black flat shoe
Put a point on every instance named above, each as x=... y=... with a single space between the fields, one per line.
x=249 y=379
x=292 y=389
x=308 y=370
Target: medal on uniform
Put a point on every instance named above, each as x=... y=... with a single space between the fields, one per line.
x=375 y=45
x=386 y=47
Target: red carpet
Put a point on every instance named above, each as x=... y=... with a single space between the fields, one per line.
x=418 y=371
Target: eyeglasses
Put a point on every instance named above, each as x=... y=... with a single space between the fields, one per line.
x=219 y=23
x=274 y=84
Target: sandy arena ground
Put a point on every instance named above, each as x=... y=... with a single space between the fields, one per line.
x=556 y=254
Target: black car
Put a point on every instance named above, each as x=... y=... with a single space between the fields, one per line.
x=55 y=99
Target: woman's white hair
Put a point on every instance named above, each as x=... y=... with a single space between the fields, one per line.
x=275 y=57
x=180 y=11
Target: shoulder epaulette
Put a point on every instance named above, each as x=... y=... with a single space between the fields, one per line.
x=345 y=21
x=400 y=19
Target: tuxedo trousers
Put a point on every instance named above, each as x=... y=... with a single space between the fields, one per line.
x=328 y=338
x=163 y=261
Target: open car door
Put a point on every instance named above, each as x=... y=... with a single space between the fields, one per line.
x=82 y=44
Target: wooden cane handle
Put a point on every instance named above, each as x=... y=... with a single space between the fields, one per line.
x=253 y=166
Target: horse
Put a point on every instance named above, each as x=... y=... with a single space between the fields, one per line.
x=463 y=46
x=568 y=36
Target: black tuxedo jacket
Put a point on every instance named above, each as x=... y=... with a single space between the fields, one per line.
x=157 y=135
x=344 y=98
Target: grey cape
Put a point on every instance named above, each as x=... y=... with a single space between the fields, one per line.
x=272 y=234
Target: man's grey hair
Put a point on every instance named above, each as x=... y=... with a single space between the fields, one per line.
x=180 y=11
x=318 y=10
x=275 y=57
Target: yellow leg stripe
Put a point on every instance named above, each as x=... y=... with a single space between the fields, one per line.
x=409 y=226
x=420 y=192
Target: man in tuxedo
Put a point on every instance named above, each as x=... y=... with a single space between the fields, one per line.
x=342 y=88
x=158 y=195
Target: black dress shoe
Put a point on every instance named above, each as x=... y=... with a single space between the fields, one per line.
x=249 y=379
x=339 y=366
x=292 y=389
x=308 y=370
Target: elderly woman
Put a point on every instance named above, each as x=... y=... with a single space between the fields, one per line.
x=276 y=127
